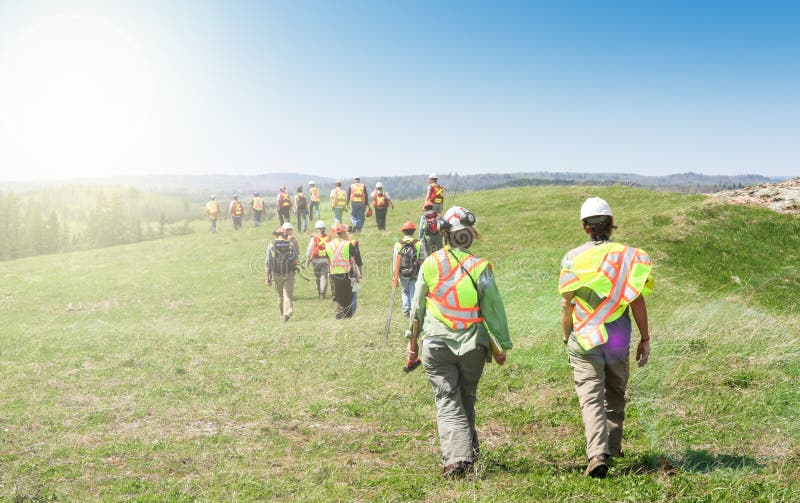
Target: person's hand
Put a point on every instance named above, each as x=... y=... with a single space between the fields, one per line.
x=500 y=358
x=268 y=282
x=412 y=351
x=643 y=352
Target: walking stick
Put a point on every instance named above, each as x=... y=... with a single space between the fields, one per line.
x=395 y=273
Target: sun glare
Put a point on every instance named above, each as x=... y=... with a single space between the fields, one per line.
x=76 y=96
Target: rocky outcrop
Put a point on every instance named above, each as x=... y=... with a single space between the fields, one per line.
x=783 y=197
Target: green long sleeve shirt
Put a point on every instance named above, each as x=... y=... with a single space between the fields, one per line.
x=462 y=341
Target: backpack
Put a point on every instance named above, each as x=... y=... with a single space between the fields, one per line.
x=409 y=260
x=283 y=255
x=431 y=222
x=300 y=202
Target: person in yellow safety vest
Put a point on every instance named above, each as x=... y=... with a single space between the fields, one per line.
x=313 y=207
x=407 y=258
x=212 y=212
x=357 y=197
x=338 y=202
x=339 y=251
x=601 y=282
x=284 y=205
x=257 y=209
x=435 y=193
x=315 y=252
x=236 y=210
x=463 y=324
x=381 y=202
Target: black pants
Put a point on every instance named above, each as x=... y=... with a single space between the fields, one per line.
x=342 y=291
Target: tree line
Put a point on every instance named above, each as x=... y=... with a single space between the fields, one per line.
x=44 y=223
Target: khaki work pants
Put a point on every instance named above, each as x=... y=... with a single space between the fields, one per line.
x=601 y=376
x=454 y=380
x=284 y=285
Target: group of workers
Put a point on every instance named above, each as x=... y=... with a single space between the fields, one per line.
x=457 y=319
x=306 y=209
x=458 y=315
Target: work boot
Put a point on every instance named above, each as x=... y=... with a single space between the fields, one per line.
x=456 y=470
x=322 y=296
x=285 y=318
x=597 y=468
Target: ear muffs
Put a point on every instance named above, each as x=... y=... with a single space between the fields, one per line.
x=467 y=218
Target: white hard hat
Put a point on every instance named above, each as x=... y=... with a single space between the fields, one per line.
x=311 y=182
x=379 y=185
x=459 y=218
x=433 y=175
x=287 y=226
x=595 y=206
x=319 y=225
x=212 y=196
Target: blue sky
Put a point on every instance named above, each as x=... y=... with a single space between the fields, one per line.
x=408 y=87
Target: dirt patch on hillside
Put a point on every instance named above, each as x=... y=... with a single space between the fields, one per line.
x=783 y=197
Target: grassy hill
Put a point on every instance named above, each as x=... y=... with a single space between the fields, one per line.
x=160 y=370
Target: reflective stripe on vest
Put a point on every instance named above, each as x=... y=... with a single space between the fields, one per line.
x=358 y=193
x=258 y=203
x=284 y=201
x=339 y=198
x=436 y=194
x=314 y=194
x=338 y=252
x=320 y=242
x=452 y=297
x=618 y=274
x=238 y=209
x=380 y=200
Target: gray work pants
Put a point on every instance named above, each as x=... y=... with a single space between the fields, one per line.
x=454 y=380
x=321 y=275
x=601 y=376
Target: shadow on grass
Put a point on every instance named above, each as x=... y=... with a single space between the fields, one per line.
x=693 y=461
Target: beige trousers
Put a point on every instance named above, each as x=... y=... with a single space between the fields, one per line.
x=284 y=285
x=601 y=376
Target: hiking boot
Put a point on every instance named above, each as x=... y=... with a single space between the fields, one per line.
x=285 y=318
x=456 y=470
x=597 y=468
x=406 y=313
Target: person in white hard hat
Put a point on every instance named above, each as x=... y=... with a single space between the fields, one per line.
x=601 y=284
x=435 y=193
x=315 y=252
x=212 y=212
x=381 y=202
x=314 y=200
x=289 y=228
x=462 y=324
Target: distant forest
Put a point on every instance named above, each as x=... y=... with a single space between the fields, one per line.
x=76 y=218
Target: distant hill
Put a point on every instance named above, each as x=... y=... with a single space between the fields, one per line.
x=198 y=187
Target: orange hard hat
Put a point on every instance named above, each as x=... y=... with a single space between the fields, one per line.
x=337 y=228
x=409 y=226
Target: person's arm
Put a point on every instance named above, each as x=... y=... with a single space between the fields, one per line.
x=493 y=311
x=566 y=314
x=639 y=310
x=417 y=314
x=310 y=247
x=391 y=204
x=421 y=227
x=268 y=265
x=355 y=253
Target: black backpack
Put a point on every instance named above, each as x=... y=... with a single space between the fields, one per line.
x=409 y=260
x=283 y=255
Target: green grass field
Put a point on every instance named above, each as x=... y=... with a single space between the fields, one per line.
x=160 y=371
